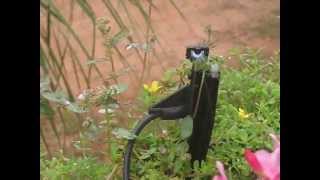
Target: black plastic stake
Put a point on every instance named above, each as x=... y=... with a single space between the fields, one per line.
x=203 y=109
x=185 y=102
x=198 y=99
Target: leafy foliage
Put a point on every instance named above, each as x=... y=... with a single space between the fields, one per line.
x=123 y=133
x=160 y=151
x=186 y=127
x=75 y=168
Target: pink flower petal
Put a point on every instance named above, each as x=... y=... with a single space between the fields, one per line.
x=253 y=161
x=269 y=162
x=222 y=175
x=266 y=164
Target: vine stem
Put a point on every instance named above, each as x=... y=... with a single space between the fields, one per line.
x=114 y=170
x=199 y=94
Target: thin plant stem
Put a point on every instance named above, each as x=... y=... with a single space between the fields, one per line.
x=181 y=15
x=154 y=53
x=85 y=6
x=108 y=52
x=126 y=63
x=48 y=25
x=199 y=94
x=55 y=130
x=120 y=23
x=132 y=21
x=56 y=13
x=50 y=68
x=75 y=70
x=46 y=73
x=64 y=128
x=45 y=143
x=93 y=39
x=114 y=170
x=72 y=4
x=61 y=57
x=87 y=78
x=148 y=21
x=75 y=58
x=147 y=44
x=66 y=83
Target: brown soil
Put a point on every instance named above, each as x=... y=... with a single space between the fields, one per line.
x=252 y=23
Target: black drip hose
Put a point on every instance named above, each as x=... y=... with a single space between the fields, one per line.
x=136 y=131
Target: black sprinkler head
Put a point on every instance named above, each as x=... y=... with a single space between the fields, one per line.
x=196 y=53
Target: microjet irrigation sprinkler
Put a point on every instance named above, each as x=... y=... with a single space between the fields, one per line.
x=197 y=99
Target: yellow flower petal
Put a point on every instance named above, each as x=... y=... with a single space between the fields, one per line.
x=154 y=86
x=243 y=114
x=146 y=87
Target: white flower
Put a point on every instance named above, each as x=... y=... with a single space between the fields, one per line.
x=67 y=102
x=132 y=45
x=102 y=111
x=81 y=96
x=165 y=132
x=129 y=47
x=110 y=110
x=229 y=57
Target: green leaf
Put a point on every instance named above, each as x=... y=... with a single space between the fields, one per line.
x=119 y=36
x=85 y=6
x=122 y=88
x=114 y=151
x=196 y=164
x=44 y=84
x=90 y=62
x=186 y=127
x=183 y=147
x=168 y=75
x=117 y=89
x=147 y=154
x=58 y=96
x=214 y=68
x=123 y=133
x=45 y=109
x=76 y=108
x=76 y=144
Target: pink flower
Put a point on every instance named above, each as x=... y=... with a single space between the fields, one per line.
x=222 y=175
x=265 y=164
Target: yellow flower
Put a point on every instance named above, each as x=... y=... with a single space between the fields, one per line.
x=243 y=114
x=153 y=88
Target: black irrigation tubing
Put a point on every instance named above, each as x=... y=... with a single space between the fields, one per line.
x=136 y=131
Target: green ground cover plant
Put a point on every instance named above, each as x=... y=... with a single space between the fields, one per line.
x=248 y=110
